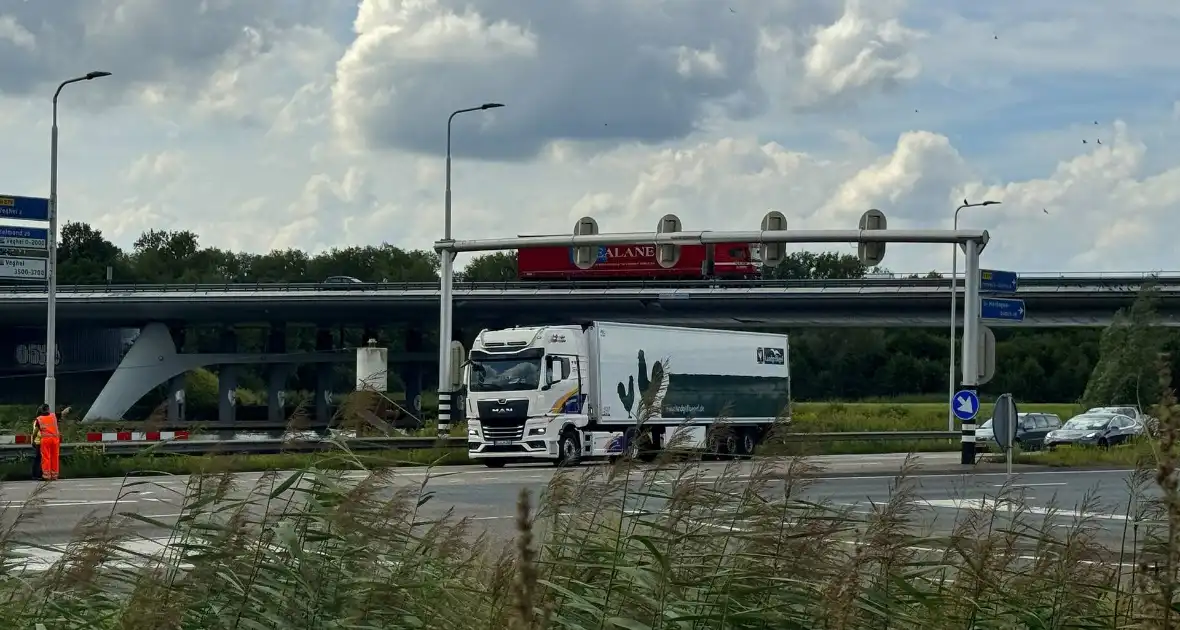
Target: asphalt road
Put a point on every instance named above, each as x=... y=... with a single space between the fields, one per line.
x=488 y=497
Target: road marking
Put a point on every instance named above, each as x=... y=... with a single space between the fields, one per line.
x=977 y=504
x=1028 y=485
x=51 y=503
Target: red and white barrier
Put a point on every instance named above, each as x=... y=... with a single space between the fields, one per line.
x=136 y=436
x=112 y=436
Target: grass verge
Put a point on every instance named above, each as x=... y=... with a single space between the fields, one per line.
x=1140 y=453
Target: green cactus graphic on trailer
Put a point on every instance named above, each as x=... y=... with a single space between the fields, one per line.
x=689 y=396
x=627 y=392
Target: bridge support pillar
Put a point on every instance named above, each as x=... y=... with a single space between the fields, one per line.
x=323 y=379
x=227 y=380
x=227 y=393
x=176 y=410
x=411 y=373
x=277 y=375
x=276 y=393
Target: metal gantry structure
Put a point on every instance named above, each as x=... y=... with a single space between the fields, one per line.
x=871 y=237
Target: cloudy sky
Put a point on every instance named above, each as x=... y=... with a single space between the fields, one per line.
x=265 y=124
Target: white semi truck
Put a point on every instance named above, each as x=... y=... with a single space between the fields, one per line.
x=570 y=393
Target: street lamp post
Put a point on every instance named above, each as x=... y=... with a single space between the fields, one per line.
x=952 y=384
x=51 y=264
x=445 y=399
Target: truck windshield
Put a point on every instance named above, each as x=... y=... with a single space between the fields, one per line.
x=504 y=375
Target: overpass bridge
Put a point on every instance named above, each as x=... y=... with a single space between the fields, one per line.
x=909 y=302
x=158 y=313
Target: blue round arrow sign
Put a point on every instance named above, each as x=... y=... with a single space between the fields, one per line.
x=965 y=405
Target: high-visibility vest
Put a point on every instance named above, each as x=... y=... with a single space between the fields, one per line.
x=36 y=432
x=48 y=425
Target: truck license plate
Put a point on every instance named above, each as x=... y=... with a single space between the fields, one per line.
x=501 y=442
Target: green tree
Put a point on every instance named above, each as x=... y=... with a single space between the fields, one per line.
x=494 y=267
x=816 y=266
x=1127 y=368
x=84 y=255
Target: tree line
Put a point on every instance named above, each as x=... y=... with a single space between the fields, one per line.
x=1035 y=365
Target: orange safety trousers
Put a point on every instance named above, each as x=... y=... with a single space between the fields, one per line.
x=50 y=457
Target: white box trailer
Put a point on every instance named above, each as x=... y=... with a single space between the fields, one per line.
x=587 y=396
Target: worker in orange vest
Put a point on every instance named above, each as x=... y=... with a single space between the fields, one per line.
x=50 y=443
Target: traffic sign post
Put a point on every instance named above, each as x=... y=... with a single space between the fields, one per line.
x=987 y=355
x=1004 y=419
x=992 y=281
x=1002 y=309
x=24 y=208
x=15 y=237
x=970 y=366
x=965 y=404
x=773 y=254
x=667 y=255
x=16 y=268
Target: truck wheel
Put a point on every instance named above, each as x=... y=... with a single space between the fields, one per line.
x=749 y=442
x=730 y=445
x=569 y=449
x=494 y=463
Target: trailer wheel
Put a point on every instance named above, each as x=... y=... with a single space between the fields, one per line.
x=569 y=449
x=640 y=446
x=495 y=463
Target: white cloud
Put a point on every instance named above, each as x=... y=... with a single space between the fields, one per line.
x=319 y=124
x=617 y=71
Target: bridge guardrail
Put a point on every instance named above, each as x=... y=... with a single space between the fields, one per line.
x=205 y=447
x=1100 y=280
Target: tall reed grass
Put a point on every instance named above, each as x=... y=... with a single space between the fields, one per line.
x=627 y=546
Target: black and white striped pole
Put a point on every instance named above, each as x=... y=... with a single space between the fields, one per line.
x=965 y=402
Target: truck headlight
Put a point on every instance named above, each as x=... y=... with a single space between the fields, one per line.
x=472 y=432
x=537 y=431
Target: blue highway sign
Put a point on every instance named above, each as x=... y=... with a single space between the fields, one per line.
x=15 y=237
x=26 y=208
x=1002 y=308
x=965 y=404
x=992 y=281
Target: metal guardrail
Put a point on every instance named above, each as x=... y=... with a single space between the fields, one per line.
x=1026 y=280
x=206 y=447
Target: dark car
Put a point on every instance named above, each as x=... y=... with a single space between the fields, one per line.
x=1096 y=429
x=340 y=282
x=1030 y=431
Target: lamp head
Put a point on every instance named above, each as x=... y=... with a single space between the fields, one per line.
x=97 y=74
x=491 y=105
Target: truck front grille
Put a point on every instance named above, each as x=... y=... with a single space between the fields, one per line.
x=502 y=430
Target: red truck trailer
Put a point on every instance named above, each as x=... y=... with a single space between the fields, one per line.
x=637 y=262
